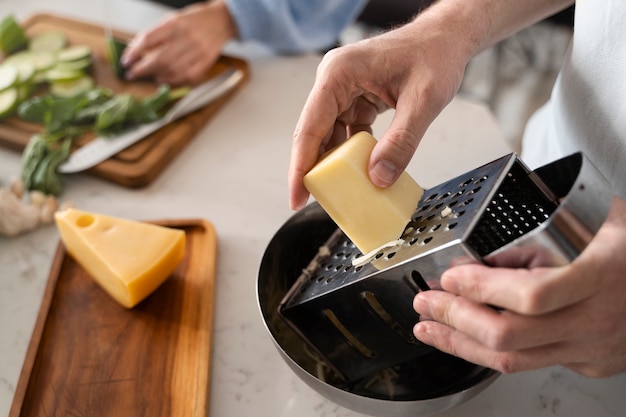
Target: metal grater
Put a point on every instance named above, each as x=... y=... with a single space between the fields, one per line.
x=360 y=319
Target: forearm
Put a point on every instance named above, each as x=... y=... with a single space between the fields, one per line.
x=480 y=24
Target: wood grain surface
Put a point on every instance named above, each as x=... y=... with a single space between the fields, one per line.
x=90 y=357
x=139 y=164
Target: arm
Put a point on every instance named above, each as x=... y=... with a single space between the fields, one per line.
x=570 y=316
x=416 y=69
x=181 y=48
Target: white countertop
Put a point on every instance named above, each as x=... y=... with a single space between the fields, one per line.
x=234 y=175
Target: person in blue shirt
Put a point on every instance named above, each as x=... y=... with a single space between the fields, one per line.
x=182 y=47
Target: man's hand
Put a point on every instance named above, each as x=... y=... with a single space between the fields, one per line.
x=416 y=69
x=571 y=315
x=182 y=48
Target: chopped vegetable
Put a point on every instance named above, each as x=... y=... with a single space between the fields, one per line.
x=72 y=87
x=116 y=48
x=40 y=162
x=8 y=102
x=73 y=106
x=74 y=53
x=12 y=36
x=8 y=77
x=48 y=41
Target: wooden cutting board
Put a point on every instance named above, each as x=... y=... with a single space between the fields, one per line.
x=139 y=164
x=89 y=356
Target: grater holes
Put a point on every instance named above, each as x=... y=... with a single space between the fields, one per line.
x=445 y=196
x=474 y=191
x=431 y=197
x=466 y=182
x=419 y=281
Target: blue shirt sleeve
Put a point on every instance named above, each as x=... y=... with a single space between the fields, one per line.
x=293 y=26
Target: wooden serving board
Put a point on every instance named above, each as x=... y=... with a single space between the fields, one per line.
x=139 y=164
x=89 y=356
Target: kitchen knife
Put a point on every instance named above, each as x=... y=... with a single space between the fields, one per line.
x=102 y=148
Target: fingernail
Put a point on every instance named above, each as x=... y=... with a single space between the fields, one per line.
x=421 y=332
x=421 y=306
x=385 y=171
x=450 y=283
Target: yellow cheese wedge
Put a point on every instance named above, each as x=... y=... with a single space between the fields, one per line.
x=128 y=259
x=369 y=215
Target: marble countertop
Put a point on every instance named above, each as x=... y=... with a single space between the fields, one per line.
x=234 y=175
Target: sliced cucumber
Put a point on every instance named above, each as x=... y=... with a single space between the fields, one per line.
x=55 y=75
x=8 y=102
x=41 y=60
x=77 y=65
x=48 y=41
x=74 y=53
x=25 y=72
x=70 y=88
x=8 y=77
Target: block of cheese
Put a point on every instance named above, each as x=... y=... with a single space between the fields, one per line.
x=128 y=259
x=369 y=215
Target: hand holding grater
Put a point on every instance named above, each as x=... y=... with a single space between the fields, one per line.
x=359 y=318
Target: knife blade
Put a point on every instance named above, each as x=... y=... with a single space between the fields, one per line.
x=102 y=148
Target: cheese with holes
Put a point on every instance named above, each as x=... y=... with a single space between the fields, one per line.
x=128 y=259
x=369 y=215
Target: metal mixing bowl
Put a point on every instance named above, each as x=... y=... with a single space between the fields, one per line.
x=430 y=384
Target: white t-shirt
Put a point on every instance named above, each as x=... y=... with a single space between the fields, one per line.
x=587 y=108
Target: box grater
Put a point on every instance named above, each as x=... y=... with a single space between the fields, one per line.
x=360 y=318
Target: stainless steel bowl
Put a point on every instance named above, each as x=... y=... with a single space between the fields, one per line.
x=431 y=384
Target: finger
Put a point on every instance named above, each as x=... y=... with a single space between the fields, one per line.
x=168 y=58
x=359 y=116
x=394 y=150
x=146 y=41
x=498 y=330
x=525 y=291
x=316 y=125
x=455 y=343
x=188 y=69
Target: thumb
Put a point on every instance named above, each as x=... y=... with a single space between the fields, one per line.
x=396 y=147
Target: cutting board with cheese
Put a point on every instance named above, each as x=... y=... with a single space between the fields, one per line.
x=90 y=356
x=139 y=164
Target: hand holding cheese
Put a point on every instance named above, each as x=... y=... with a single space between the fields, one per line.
x=369 y=215
x=128 y=259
